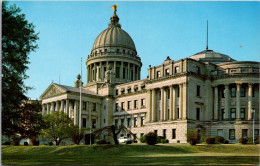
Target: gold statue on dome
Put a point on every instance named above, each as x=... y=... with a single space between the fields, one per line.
x=114 y=7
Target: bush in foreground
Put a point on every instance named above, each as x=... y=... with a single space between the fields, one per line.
x=151 y=138
x=219 y=139
x=243 y=140
x=142 y=139
x=210 y=140
x=164 y=141
x=192 y=136
x=159 y=139
x=128 y=142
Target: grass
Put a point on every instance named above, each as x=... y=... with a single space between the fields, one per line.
x=135 y=154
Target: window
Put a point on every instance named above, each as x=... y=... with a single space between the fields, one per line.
x=176 y=69
x=117 y=50
x=143 y=102
x=253 y=91
x=168 y=93
x=233 y=92
x=132 y=75
x=164 y=133
x=84 y=105
x=84 y=122
x=122 y=106
x=155 y=131
x=135 y=121
x=128 y=105
x=158 y=74
x=117 y=72
x=94 y=107
x=116 y=91
x=142 y=121
x=231 y=134
x=122 y=122
x=104 y=120
x=142 y=134
x=173 y=133
x=256 y=134
x=129 y=90
x=167 y=72
x=160 y=95
x=220 y=132
x=168 y=114
x=178 y=92
x=124 y=73
x=105 y=69
x=178 y=113
x=242 y=113
x=198 y=69
x=198 y=90
x=128 y=122
x=222 y=113
x=124 y=51
x=198 y=114
x=244 y=133
x=232 y=113
x=242 y=92
x=116 y=107
x=93 y=123
x=222 y=93
x=135 y=104
x=105 y=50
x=116 y=122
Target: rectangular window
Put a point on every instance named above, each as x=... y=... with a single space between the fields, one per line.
x=178 y=92
x=142 y=121
x=132 y=75
x=222 y=113
x=160 y=95
x=176 y=69
x=135 y=121
x=116 y=107
x=256 y=134
x=117 y=72
x=198 y=90
x=117 y=50
x=242 y=113
x=173 y=133
x=124 y=75
x=244 y=133
x=167 y=72
x=128 y=105
x=198 y=114
x=135 y=104
x=233 y=92
x=105 y=69
x=122 y=106
x=231 y=134
x=164 y=133
x=143 y=102
x=116 y=122
x=155 y=131
x=158 y=74
x=93 y=123
x=84 y=121
x=122 y=122
x=242 y=92
x=128 y=122
x=198 y=69
x=168 y=114
x=168 y=94
x=220 y=132
x=222 y=93
x=178 y=113
x=94 y=107
x=232 y=113
x=116 y=91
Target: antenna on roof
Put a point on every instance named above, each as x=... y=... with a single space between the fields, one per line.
x=207 y=36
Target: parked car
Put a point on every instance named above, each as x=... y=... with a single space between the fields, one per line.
x=124 y=139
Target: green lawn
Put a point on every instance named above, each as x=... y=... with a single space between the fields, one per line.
x=135 y=154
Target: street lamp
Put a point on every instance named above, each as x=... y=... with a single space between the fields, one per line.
x=253 y=112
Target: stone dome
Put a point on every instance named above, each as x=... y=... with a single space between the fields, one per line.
x=114 y=36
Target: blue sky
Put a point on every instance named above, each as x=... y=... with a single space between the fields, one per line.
x=68 y=29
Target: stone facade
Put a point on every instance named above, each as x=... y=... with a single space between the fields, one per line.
x=209 y=91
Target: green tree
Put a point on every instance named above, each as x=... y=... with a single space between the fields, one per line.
x=59 y=126
x=193 y=136
x=18 y=40
x=76 y=135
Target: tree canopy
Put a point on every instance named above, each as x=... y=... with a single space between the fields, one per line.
x=18 y=40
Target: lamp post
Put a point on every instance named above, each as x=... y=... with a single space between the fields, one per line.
x=253 y=112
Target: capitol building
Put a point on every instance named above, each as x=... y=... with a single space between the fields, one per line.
x=209 y=91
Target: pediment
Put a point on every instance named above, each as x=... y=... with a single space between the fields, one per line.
x=52 y=90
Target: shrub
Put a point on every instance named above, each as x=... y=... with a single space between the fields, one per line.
x=50 y=143
x=159 y=139
x=210 y=140
x=6 y=143
x=128 y=142
x=257 y=140
x=192 y=136
x=178 y=141
x=16 y=140
x=142 y=139
x=76 y=137
x=25 y=143
x=250 y=140
x=219 y=139
x=164 y=141
x=102 y=142
x=226 y=141
x=151 y=138
x=36 y=143
x=243 y=140
x=202 y=138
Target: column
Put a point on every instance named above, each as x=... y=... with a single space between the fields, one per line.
x=128 y=68
x=180 y=101
x=184 y=100
x=102 y=72
x=153 y=105
x=70 y=108
x=215 y=102
x=134 y=75
x=57 y=106
x=165 y=110
x=76 y=112
x=226 y=116
x=67 y=107
x=162 y=104
x=171 y=103
x=114 y=68
x=121 y=70
x=250 y=88
x=62 y=105
x=238 y=101
x=48 y=108
x=97 y=73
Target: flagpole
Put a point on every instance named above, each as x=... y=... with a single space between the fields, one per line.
x=80 y=105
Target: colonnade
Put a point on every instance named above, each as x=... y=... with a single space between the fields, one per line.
x=237 y=100
x=168 y=109
x=127 y=71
